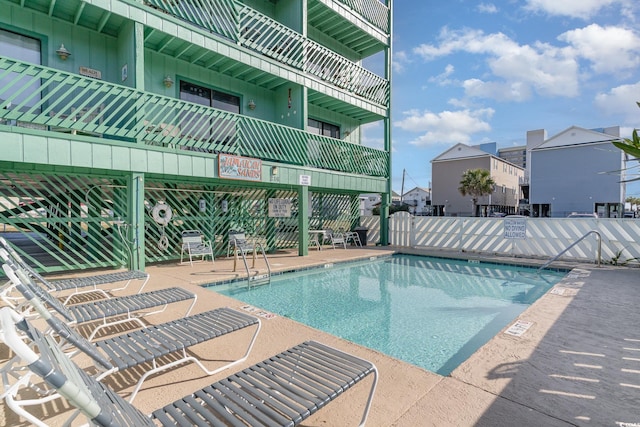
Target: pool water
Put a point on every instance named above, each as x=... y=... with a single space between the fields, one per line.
x=430 y=312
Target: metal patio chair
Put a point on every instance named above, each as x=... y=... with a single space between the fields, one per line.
x=336 y=238
x=194 y=243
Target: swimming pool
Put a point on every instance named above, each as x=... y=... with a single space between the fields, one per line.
x=430 y=312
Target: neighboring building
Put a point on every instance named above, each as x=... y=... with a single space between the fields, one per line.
x=419 y=201
x=154 y=117
x=447 y=170
x=576 y=171
x=368 y=202
x=514 y=155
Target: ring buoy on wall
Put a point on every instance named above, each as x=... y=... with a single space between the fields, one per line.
x=161 y=214
x=163 y=243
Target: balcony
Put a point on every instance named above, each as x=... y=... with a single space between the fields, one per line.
x=253 y=30
x=60 y=102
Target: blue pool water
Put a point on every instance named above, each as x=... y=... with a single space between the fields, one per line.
x=431 y=312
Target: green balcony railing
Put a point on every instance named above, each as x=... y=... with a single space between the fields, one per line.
x=270 y=38
x=41 y=97
x=263 y=34
x=373 y=11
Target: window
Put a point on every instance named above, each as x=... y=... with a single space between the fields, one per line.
x=26 y=49
x=325 y=129
x=212 y=132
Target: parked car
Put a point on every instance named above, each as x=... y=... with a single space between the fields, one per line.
x=582 y=215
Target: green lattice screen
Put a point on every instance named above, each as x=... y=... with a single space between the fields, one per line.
x=56 y=224
x=62 y=222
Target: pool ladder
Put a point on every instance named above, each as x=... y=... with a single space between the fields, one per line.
x=598 y=255
x=258 y=279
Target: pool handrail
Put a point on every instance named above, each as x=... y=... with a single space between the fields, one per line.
x=598 y=257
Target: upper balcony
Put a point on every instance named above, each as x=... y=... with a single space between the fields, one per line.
x=227 y=23
x=251 y=29
x=49 y=100
x=361 y=25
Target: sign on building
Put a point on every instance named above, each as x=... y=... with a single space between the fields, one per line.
x=305 y=180
x=279 y=208
x=237 y=167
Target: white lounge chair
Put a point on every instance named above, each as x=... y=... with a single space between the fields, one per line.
x=283 y=390
x=111 y=312
x=150 y=344
x=81 y=285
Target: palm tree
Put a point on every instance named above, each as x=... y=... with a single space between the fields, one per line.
x=476 y=183
x=631 y=146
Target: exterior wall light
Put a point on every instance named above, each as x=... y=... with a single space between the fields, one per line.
x=274 y=170
x=251 y=105
x=168 y=81
x=62 y=52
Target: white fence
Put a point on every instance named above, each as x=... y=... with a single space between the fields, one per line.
x=528 y=237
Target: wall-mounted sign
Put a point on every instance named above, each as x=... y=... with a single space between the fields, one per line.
x=279 y=208
x=515 y=228
x=236 y=167
x=90 y=72
x=305 y=180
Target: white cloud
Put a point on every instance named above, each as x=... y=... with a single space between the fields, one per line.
x=487 y=8
x=609 y=49
x=442 y=79
x=583 y=9
x=400 y=58
x=501 y=91
x=540 y=67
x=445 y=127
x=621 y=100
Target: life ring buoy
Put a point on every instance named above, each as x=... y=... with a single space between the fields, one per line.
x=163 y=243
x=162 y=214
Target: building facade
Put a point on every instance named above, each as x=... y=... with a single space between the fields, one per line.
x=447 y=170
x=124 y=123
x=419 y=201
x=576 y=171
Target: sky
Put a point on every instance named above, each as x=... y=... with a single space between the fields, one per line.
x=474 y=72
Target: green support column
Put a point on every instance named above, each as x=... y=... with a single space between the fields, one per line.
x=384 y=219
x=136 y=210
x=303 y=220
x=386 y=197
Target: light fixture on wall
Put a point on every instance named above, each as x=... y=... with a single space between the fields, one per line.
x=168 y=81
x=62 y=52
x=251 y=105
x=274 y=170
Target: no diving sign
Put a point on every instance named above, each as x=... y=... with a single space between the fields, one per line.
x=515 y=228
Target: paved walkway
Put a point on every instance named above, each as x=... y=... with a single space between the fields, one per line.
x=577 y=364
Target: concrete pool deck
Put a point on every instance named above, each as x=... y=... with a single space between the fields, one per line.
x=578 y=363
